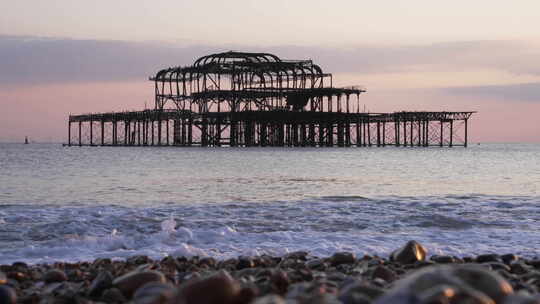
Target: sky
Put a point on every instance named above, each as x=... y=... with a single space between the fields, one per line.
x=61 y=56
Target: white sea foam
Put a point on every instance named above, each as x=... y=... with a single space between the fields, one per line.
x=321 y=227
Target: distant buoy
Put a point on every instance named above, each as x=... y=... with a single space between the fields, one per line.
x=26 y=140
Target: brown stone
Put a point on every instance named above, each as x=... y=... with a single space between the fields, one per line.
x=113 y=295
x=485 y=281
x=103 y=281
x=452 y=283
x=220 y=288
x=438 y=294
x=279 y=281
x=384 y=273
x=509 y=258
x=342 y=258
x=54 y=275
x=131 y=281
x=410 y=253
x=154 y=293
x=245 y=262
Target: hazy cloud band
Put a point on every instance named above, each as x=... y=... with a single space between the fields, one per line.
x=31 y=60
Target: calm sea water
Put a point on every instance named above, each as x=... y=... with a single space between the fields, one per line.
x=79 y=203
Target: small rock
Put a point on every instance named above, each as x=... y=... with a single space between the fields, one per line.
x=445 y=284
x=521 y=299
x=245 y=262
x=113 y=295
x=139 y=260
x=356 y=287
x=534 y=263
x=297 y=255
x=509 y=258
x=17 y=276
x=443 y=259
x=103 y=281
x=325 y=298
x=279 y=281
x=354 y=298
x=131 y=281
x=54 y=275
x=498 y=266
x=342 y=258
x=483 y=258
x=246 y=295
x=75 y=275
x=468 y=259
x=270 y=299
x=171 y=263
x=410 y=253
x=216 y=289
x=154 y=293
x=315 y=264
x=7 y=295
x=100 y=262
x=22 y=265
x=519 y=268
x=384 y=273
x=438 y=294
x=485 y=281
x=209 y=261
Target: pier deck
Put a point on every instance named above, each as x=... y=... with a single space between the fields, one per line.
x=269 y=128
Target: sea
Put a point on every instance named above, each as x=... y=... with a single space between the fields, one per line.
x=74 y=204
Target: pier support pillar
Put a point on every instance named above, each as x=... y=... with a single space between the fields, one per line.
x=91 y=132
x=451 y=133
x=102 y=132
x=466 y=135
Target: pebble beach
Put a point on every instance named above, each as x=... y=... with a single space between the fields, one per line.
x=408 y=275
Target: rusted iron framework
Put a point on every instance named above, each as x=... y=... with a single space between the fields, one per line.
x=257 y=99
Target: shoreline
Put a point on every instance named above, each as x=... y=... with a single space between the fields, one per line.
x=408 y=275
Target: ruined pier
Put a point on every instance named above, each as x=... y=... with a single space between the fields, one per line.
x=256 y=99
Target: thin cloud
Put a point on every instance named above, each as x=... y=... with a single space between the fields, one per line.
x=31 y=60
x=526 y=92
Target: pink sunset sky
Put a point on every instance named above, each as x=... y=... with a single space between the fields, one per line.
x=61 y=56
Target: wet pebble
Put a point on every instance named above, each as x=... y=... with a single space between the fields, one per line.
x=130 y=282
x=113 y=295
x=54 y=275
x=443 y=259
x=154 y=293
x=270 y=299
x=483 y=258
x=384 y=273
x=339 y=258
x=103 y=281
x=410 y=253
x=7 y=295
x=224 y=290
